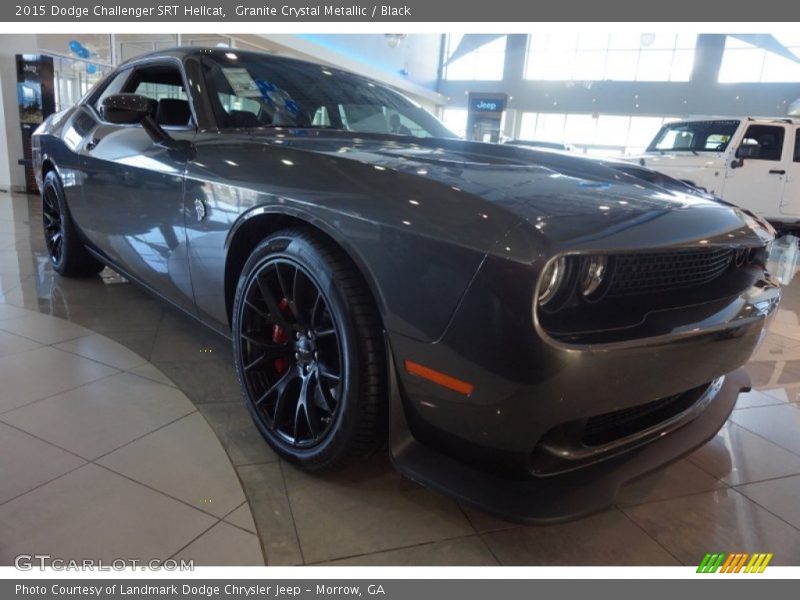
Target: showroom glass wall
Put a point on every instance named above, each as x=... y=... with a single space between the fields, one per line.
x=744 y=61
x=76 y=66
x=610 y=57
x=474 y=57
x=456 y=120
x=609 y=93
x=600 y=135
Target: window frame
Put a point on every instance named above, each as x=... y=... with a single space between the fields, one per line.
x=132 y=66
x=107 y=84
x=781 y=145
x=796 y=157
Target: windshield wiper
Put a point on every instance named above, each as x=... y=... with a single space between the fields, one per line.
x=308 y=127
x=273 y=126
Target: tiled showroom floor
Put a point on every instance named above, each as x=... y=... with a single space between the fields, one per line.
x=100 y=456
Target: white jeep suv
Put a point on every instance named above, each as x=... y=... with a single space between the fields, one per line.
x=753 y=163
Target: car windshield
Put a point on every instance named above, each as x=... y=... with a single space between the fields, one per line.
x=252 y=91
x=694 y=136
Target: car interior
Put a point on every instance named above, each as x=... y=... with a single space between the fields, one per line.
x=768 y=138
x=162 y=83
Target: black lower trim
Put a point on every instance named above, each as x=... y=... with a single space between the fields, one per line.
x=562 y=497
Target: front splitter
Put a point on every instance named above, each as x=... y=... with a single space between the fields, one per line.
x=562 y=497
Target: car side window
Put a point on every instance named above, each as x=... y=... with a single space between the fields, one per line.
x=158 y=91
x=769 y=138
x=401 y=124
x=114 y=87
x=241 y=111
x=164 y=84
x=797 y=145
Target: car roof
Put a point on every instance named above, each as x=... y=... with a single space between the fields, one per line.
x=790 y=120
x=182 y=52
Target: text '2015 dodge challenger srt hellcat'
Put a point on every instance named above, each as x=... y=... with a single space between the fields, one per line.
x=526 y=329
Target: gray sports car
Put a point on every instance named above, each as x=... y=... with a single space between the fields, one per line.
x=527 y=329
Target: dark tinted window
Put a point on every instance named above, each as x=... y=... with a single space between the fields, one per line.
x=768 y=137
x=157 y=82
x=251 y=90
x=164 y=84
x=797 y=146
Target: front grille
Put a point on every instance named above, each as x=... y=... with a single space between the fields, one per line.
x=608 y=427
x=648 y=273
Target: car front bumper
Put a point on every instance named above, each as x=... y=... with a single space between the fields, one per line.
x=538 y=500
x=485 y=447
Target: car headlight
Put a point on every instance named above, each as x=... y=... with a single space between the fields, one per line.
x=551 y=279
x=593 y=275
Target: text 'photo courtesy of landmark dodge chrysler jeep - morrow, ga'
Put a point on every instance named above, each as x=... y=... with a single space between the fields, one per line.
x=526 y=330
x=752 y=163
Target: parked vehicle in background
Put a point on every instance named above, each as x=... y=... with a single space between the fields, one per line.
x=753 y=163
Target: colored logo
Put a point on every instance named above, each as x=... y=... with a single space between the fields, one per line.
x=739 y=562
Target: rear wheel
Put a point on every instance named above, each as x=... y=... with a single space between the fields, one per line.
x=309 y=351
x=67 y=254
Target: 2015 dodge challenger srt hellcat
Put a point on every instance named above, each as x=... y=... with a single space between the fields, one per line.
x=527 y=329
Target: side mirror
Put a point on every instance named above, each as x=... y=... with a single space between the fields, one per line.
x=134 y=109
x=748 y=151
x=127 y=109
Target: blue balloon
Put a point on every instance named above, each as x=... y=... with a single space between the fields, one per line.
x=91 y=69
x=75 y=46
x=84 y=52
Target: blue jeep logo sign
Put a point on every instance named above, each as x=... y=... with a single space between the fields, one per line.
x=478 y=104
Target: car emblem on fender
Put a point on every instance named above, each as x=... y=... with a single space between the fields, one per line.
x=200 y=209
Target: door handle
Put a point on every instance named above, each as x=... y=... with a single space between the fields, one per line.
x=777 y=171
x=92 y=144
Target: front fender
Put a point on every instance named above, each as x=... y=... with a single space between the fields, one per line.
x=417 y=281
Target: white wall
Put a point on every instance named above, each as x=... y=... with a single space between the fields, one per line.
x=12 y=175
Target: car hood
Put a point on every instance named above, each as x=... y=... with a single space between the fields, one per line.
x=530 y=182
x=568 y=199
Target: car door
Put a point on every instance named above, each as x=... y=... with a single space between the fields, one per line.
x=132 y=205
x=756 y=183
x=790 y=205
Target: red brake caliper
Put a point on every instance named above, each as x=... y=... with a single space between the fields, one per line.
x=279 y=336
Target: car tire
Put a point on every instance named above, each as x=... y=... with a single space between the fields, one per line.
x=68 y=255
x=313 y=378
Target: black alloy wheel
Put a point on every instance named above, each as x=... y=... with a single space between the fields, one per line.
x=53 y=224
x=68 y=256
x=291 y=351
x=309 y=351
